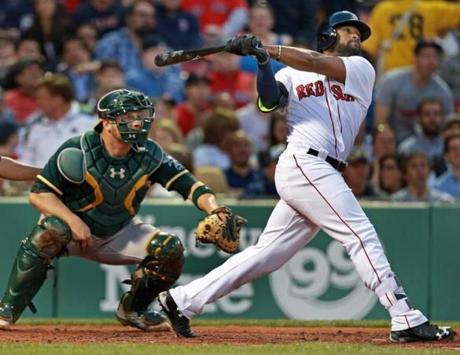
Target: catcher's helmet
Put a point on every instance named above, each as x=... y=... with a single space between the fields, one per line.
x=116 y=106
x=327 y=35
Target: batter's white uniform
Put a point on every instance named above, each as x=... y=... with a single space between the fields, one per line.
x=324 y=115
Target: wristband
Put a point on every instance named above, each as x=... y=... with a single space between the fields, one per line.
x=199 y=191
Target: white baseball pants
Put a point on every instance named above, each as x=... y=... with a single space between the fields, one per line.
x=313 y=195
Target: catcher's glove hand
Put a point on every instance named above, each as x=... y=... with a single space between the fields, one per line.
x=223 y=232
x=247 y=45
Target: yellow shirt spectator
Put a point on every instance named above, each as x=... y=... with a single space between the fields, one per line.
x=425 y=19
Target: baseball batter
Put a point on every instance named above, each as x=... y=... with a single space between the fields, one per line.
x=326 y=95
x=89 y=193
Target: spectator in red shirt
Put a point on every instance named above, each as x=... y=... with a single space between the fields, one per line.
x=228 y=17
x=226 y=76
x=21 y=100
x=197 y=101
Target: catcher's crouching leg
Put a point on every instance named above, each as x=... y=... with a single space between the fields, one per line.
x=46 y=241
x=156 y=273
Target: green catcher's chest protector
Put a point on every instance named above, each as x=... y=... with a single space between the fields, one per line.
x=113 y=188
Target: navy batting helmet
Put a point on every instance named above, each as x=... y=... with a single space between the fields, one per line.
x=327 y=34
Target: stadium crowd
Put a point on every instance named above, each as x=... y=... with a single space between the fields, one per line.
x=58 y=57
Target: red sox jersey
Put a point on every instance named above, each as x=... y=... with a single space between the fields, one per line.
x=323 y=113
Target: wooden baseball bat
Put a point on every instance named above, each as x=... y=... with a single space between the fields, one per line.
x=185 y=55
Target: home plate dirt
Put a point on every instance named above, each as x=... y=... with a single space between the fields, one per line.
x=207 y=335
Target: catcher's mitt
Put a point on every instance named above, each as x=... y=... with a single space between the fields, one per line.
x=224 y=233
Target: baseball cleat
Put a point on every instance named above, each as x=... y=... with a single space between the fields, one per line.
x=179 y=322
x=422 y=332
x=147 y=321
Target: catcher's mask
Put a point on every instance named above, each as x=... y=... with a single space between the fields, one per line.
x=133 y=113
x=327 y=34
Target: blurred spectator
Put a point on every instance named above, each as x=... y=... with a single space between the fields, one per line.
x=223 y=17
x=428 y=138
x=450 y=72
x=75 y=56
x=451 y=126
x=331 y=6
x=125 y=44
x=226 y=76
x=16 y=16
x=383 y=143
x=449 y=182
x=166 y=132
x=5 y=113
x=277 y=134
x=7 y=55
x=71 y=5
x=178 y=28
x=416 y=170
x=21 y=99
x=197 y=101
x=241 y=173
x=216 y=129
x=8 y=138
x=357 y=174
x=400 y=90
x=164 y=108
x=396 y=28
x=109 y=76
x=265 y=188
x=49 y=27
x=390 y=178
x=261 y=21
x=8 y=144
x=255 y=123
x=223 y=100
x=60 y=120
x=296 y=18
x=88 y=34
x=152 y=80
x=29 y=48
x=104 y=15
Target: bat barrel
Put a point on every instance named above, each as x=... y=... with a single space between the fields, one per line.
x=180 y=56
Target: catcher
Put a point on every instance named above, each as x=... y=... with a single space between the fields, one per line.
x=89 y=193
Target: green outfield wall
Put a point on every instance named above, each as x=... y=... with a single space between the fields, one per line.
x=319 y=282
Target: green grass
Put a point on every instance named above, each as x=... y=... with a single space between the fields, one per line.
x=139 y=349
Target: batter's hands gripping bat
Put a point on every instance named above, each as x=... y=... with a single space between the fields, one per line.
x=169 y=58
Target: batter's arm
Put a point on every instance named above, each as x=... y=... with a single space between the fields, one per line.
x=16 y=170
x=309 y=60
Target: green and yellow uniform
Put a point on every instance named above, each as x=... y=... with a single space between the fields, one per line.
x=106 y=193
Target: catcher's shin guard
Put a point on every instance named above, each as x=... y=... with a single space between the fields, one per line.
x=28 y=273
x=157 y=272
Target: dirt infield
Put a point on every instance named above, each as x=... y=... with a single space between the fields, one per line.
x=208 y=335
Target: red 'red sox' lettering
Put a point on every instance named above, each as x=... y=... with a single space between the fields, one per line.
x=317 y=89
